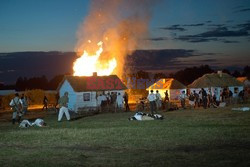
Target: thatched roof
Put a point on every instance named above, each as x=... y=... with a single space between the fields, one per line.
x=94 y=83
x=167 y=83
x=215 y=80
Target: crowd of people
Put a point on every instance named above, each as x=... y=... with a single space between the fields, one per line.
x=116 y=102
x=207 y=98
x=112 y=102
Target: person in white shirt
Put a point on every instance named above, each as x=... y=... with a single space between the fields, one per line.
x=119 y=101
x=16 y=108
x=152 y=98
x=182 y=98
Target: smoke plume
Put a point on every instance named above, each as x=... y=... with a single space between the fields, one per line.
x=120 y=24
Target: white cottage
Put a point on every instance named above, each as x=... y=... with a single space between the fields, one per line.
x=216 y=82
x=171 y=85
x=83 y=91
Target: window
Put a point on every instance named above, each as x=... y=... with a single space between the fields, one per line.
x=86 y=96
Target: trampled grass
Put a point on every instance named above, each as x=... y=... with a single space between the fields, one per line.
x=212 y=137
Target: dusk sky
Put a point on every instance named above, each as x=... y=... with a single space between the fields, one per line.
x=216 y=31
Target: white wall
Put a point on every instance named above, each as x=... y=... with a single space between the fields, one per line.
x=66 y=87
x=80 y=103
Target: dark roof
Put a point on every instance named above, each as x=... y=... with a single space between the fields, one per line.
x=215 y=80
x=167 y=83
x=94 y=83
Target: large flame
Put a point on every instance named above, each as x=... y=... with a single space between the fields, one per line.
x=87 y=64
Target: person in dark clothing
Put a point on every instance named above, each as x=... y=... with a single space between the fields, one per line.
x=45 y=103
x=196 y=100
x=125 y=96
x=204 y=98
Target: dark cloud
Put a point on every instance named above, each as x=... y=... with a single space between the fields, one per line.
x=244 y=27
x=216 y=34
x=158 y=39
x=208 y=60
x=228 y=41
x=194 y=25
x=209 y=21
x=223 y=32
x=193 y=39
x=216 y=25
x=242 y=10
x=29 y=64
x=174 y=28
x=167 y=59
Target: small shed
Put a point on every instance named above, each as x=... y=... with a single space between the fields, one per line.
x=216 y=82
x=171 y=85
x=83 y=91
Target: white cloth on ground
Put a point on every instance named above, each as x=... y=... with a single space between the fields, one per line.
x=25 y=124
x=38 y=122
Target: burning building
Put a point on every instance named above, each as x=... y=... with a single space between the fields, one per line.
x=83 y=90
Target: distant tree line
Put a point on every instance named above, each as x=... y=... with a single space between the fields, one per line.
x=186 y=76
x=42 y=82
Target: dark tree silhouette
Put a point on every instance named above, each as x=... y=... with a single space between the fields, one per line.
x=159 y=76
x=226 y=71
x=246 y=72
x=188 y=75
x=54 y=82
x=236 y=74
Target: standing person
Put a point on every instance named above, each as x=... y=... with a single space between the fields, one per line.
x=24 y=104
x=204 y=98
x=113 y=97
x=63 y=104
x=158 y=100
x=217 y=97
x=109 y=102
x=151 y=98
x=125 y=96
x=166 y=101
x=119 y=102
x=191 y=99
x=196 y=100
x=16 y=108
x=45 y=103
x=99 y=102
x=182 y=98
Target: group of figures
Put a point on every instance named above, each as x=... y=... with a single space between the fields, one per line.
x=19 y=107
x=104 y=101
x=113 y=102
x=207 y=99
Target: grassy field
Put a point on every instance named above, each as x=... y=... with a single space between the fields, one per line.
x=212 y=137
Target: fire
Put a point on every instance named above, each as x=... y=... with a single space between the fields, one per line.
x=87 y=64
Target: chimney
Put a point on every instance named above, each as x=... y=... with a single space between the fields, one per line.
x=94 y=74
x=220 y=73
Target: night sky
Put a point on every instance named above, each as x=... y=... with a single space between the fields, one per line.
x=188 y=32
